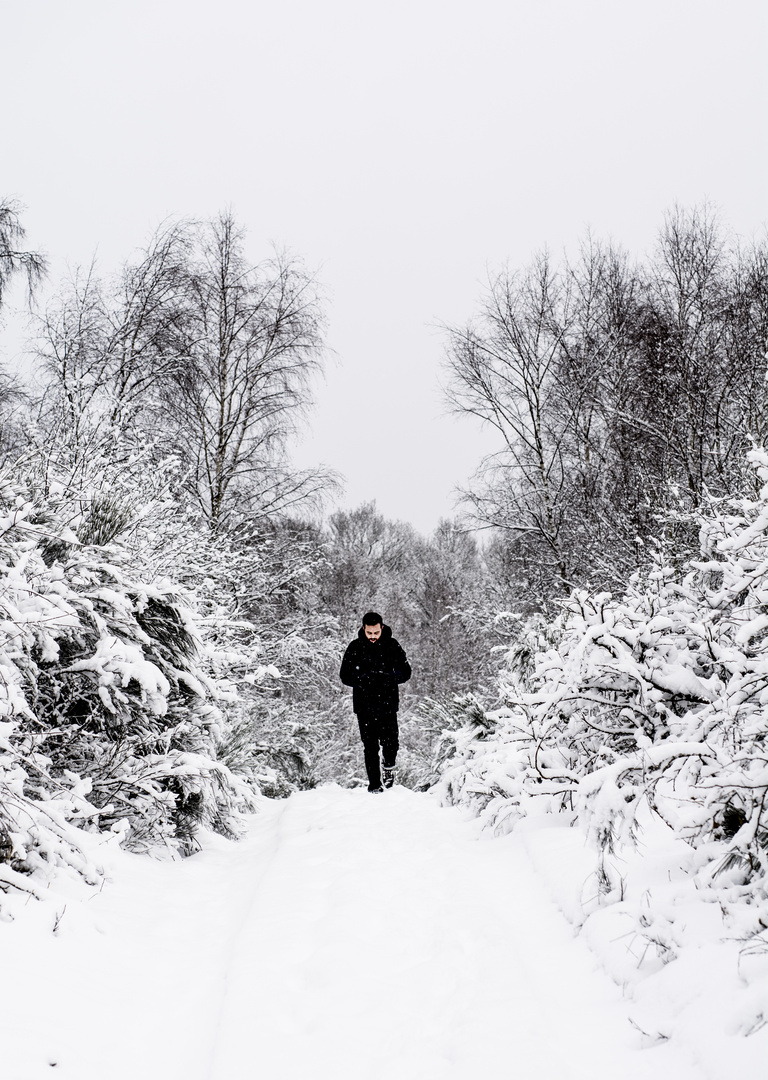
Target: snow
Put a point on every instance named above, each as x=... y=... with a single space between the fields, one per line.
x=345 y=935
x=118 y=662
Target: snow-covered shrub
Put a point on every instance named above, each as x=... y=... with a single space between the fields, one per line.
x=451 y=729
x=275 y=652
x=108 y=715
x=657 y=699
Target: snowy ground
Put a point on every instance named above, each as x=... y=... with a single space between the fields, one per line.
x=346 y=936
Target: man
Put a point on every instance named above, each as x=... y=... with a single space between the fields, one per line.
x=374 y=665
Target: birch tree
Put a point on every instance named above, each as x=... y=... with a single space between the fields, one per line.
x=198 y=351
x=252 y=343
x=14 y=259
x=502 y=369
x=623 y=395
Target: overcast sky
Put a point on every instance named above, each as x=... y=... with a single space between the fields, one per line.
x=405 y=150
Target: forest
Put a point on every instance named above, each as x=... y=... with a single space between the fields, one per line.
x=589 y=636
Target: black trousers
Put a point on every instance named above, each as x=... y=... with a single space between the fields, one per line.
x=378 y=728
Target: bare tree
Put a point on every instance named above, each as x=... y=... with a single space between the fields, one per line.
x=451 y=635
x=13 y=259
x=503 y=369
x=431 y=589
x=623 y=396
x=607 y=445
x=192 y=349
x=106 y=345
x=370 y=565
x=253 y=340
x=710 y=362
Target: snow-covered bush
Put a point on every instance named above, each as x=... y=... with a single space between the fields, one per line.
x=109 y=716
x=654 y=700
x=275 y=652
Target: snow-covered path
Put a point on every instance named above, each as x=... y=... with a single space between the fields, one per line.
x=346 y=936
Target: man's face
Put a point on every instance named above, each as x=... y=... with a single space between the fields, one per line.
x=373 y=633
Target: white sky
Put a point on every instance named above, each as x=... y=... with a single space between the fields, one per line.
x=403 y=149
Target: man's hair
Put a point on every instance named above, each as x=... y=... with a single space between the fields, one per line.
x=372 y=618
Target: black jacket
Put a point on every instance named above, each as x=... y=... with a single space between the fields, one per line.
x=374 y=669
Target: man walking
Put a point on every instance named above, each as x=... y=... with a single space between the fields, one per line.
x=374 y=665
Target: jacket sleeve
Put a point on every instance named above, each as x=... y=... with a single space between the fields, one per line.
x=348 y=672
x=401 y=669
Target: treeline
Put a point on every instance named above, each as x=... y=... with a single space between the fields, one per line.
x=174 y=603
x=623 y=393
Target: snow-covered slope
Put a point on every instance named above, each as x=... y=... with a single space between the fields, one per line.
x=346 y=936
